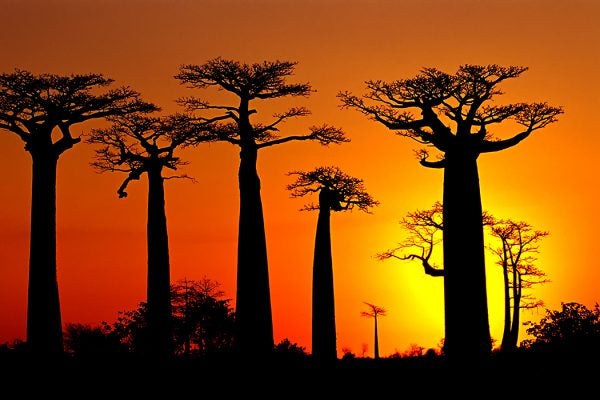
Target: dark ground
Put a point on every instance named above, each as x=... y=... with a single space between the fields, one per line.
x=527 y=375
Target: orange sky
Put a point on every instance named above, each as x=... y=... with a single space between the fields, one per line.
x=551 y=180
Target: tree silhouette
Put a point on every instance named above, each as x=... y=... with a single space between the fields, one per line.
x=374 y=312
x=84 y=340
x=519 y=243
x=250 y=82
x=203 y=321
x=41 y=110
x=337 y=192
x=572 y=328
x=453 y=113
x=137 y=145
x=424 y=228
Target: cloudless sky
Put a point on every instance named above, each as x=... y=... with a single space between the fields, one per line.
x=550 y=180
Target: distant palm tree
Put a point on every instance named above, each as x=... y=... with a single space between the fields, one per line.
x=374 y=312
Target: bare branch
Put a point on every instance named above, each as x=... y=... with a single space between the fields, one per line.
x=423 y=227
x=423 y=154
x=532 y=117
x=324 y=134
x=137 y=143
x=374 y=311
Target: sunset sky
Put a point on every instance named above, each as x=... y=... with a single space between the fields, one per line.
x=551 y=180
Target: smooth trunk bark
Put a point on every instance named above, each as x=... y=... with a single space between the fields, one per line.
x=44 y=328
x=376 y=351
x=253 y=299
x=516 y=320
x=323 y=308
x=158 y=290
x=467 y=336
x=506 y=332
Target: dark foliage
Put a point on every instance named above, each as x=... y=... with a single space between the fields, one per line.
x=572 y=329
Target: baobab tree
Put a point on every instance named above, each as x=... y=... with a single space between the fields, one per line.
x=41 y=110
x=249 y=83
x=424 y=229
x=337 y=192
x=453 y=113
x=374 y=312
x=516 y=256
x=137 y=145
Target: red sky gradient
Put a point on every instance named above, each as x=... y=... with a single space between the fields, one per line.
x=551 y=180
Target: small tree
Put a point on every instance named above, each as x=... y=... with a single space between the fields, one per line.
x=138 y=145
x=424 y=228
x=337 y=192
x=41 y=110
x=250 y=83
x=374 y=312
x=519 y=243
x=203 y=320
x=454 y=114
x=85 y=340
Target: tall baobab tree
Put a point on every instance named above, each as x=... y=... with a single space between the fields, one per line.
x=337 y=192
x=374 y=312
x=137 y=145
x=249 y=83
x=516 y=256
x=453 y=113
x=41 y=110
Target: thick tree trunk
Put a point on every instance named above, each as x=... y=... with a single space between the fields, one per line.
x=323 y=308
x=158 y=290
x=466 y=313
x=44 y=328
x=253 y=298
x=376 y=351
x=505 y=345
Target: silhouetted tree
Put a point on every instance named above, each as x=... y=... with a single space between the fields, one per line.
x=519 y=243
x=41 y=110
x=250 y=82
x=374 y=312
x=131 y=327
x=84 y=340
x=424 y=228
x=337 y=192
x=289 y=353
x=137 y=145
x=572 y=328
x=414 y=350
x=453 y=113
x=204 y=322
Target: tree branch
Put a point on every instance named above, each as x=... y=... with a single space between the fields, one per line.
x=324 y=135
